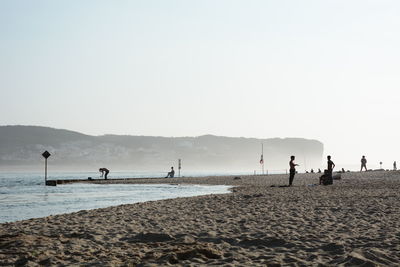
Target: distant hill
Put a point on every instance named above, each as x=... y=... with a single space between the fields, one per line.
x=21 y=146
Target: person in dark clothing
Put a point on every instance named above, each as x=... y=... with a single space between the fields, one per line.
x=104 y=171
x=331 y=166
x=292 y=166
x=363 y=163
x=324 y=179
x=171 y=173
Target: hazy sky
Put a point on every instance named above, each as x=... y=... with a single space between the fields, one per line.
x=326 y=70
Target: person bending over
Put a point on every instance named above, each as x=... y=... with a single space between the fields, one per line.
x=104 y=171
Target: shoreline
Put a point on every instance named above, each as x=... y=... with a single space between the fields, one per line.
x=31 y=200
x=355 y=221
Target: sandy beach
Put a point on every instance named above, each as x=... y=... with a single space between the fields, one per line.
x=355 y=222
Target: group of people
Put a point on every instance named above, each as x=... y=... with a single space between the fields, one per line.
x=364 y=164
x=325 y=179
x=104 y=172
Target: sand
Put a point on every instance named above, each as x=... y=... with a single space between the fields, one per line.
x=354 y=222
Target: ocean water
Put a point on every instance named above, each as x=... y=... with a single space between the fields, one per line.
x=24 y=196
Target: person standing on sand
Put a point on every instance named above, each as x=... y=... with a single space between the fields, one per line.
x=363 y=163
x=104 y=171
x=292 y=166
x=331 y=166
x=394 y=166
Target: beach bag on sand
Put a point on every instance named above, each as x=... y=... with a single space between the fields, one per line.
x=326 y=179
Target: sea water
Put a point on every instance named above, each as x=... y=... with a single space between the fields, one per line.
x=24 y=196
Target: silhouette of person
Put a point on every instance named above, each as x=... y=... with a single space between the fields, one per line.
x=319 y=170
x=171 y=173
x=292 y=166
x=363 y=163
x=331 y=166
x=104 y=171
x=394 y=166
x=324 y=179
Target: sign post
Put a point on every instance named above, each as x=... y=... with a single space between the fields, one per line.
x=179 y=167
x=45 y=154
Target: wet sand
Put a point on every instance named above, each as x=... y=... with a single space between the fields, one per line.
x=356 y=221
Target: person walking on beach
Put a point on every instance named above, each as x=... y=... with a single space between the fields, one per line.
x=363 y=163
x=171 y=173
x=104 y=171
x=292 y=166
x=331 y=166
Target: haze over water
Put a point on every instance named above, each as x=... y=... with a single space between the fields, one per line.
x=324 y=70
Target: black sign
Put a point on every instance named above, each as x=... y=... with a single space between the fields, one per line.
x=46 y=154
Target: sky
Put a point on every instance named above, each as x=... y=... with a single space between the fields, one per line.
x=326 y=70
